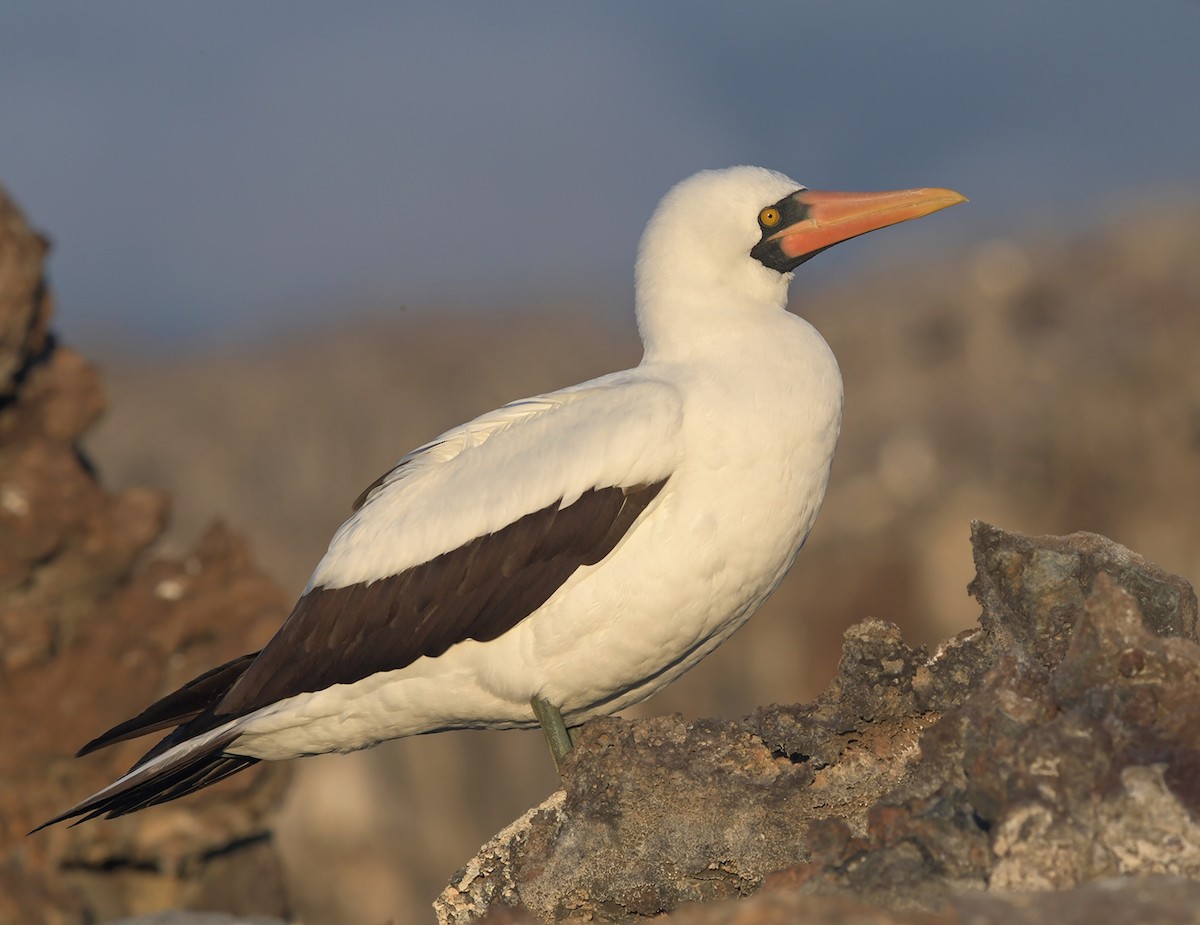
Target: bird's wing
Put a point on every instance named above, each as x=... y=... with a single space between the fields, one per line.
x=470 y=534
x=177 y=707
x=463 y=539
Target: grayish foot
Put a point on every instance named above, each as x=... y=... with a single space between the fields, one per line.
x=558 y=737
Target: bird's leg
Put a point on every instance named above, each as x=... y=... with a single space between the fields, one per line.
x=555 y=730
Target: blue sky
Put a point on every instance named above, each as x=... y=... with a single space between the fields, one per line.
x=209 y=168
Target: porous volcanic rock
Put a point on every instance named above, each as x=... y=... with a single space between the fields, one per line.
x=91 y=630
x=1056 y=745
x=1162 y=900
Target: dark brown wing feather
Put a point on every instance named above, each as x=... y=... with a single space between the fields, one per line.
x=366 y=492
x=177 y=707
x=338 y=636
x=478 y=591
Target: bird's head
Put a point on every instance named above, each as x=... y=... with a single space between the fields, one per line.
x=733 y=237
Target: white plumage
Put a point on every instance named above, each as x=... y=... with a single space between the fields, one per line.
x=475 y=479
x=719 y=441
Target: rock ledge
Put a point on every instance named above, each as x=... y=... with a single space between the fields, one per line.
x=1050 y=749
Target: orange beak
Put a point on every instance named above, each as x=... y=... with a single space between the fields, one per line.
x=830 y=218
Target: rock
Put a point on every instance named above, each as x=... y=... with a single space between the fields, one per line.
x=1047 y=774
x=25 y=305
x=91 y=630
x=1033 y=591
x=1162 y=900
x=1052 y=747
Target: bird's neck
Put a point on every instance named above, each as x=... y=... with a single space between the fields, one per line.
x=683 y=322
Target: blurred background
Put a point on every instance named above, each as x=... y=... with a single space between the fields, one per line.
x=301 y=239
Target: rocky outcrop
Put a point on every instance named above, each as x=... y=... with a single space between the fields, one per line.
x=91 y=630
x=1052 y=747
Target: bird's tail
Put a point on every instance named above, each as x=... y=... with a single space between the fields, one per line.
x=163 y=774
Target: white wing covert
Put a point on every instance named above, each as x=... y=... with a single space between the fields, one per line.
x=616 y=431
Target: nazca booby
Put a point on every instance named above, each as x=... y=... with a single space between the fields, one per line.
x=568 y=554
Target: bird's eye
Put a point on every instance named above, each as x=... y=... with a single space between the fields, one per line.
x=769 y=217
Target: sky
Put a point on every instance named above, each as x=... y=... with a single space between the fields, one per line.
x=209 y=169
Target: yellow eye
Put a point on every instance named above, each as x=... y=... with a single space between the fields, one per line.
x=769 y=217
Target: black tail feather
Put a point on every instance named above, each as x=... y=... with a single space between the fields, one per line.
x=150 y=783
x=163 y=791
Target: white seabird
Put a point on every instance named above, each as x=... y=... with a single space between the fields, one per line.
x=566 y=555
